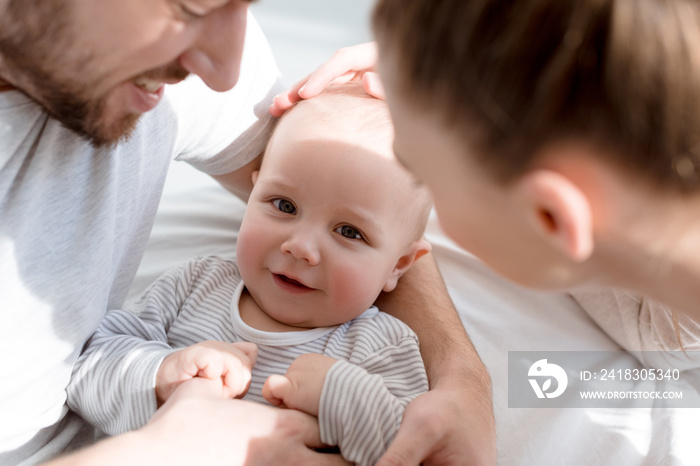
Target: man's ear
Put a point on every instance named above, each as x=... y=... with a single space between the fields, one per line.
x=413 y=252
x=560 y=210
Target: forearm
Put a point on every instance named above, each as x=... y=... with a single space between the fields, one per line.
x=197 y=426
x=421 y=301
x=362 y=405
x=460 y=386
x=112 y=381
x=112 y=385
x=131 y=448
x=362 y=429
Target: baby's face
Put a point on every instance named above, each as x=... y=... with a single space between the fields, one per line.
x=323 y=229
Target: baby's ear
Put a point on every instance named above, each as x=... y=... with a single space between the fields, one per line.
x=413 y=252
x=254 y=176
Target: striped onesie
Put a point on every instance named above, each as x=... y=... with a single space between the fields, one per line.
x=379 y=369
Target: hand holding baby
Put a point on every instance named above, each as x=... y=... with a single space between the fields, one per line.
x=229 y=363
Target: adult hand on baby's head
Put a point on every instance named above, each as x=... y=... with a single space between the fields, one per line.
x=346 y=64
x=228 y=364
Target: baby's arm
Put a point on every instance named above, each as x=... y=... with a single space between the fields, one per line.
x=363 y=401
x=300 y=388
x=227 y=363
x=113 y=381
x=359 y=404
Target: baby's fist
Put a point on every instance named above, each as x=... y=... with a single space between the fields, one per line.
x=301 y=387
x=228 y=363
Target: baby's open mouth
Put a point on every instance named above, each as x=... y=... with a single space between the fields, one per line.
x=291 y=281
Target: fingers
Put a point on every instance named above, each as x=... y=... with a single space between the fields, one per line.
x=196 y=388
x=197 y=427
x=284 y=101
x=322 y=459
x=228 y=364
x=405 y=451
x=249 y=349
x=419 y=435
x=236 y=381
x=216 y=362
x=373 y=85
x=275 y=389
x=344 y=65
x=300 y=426
x=237 y=368
x=206 y=363
x=358 y=58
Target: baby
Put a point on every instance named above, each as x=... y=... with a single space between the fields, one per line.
x=333 y=221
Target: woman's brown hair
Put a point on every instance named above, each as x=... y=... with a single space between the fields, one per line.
x=515 y=75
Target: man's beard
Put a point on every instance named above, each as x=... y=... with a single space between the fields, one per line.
x=88 y=119
x=75 y=109
x=86 y=115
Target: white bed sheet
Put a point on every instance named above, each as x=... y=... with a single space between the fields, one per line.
x=197 y=217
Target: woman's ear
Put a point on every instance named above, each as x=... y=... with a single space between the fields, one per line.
x=413 y=252
x=560 y=210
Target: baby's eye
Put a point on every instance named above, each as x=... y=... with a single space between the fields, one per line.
x=349 y=232
x=285 y=206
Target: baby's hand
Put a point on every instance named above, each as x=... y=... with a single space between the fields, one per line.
x=229 y=363
x=301 y=387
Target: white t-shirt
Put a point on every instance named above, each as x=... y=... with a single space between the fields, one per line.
x=644 y=327
x=74 y=221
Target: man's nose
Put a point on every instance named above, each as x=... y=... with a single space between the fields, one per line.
x=215 y=56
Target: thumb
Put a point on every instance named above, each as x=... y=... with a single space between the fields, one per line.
x=249 y=349
x=276 y=389
x=404 y=450
x=373 y=85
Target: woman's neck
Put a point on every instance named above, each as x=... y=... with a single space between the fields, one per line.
x=659 y=255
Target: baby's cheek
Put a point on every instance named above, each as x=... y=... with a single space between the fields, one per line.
x=248 y=251
x=354 y=289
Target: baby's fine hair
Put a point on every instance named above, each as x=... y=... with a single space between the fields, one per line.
x=370 y=118
x=514 y=75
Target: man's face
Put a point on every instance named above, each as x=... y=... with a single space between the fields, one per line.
x=110 y=59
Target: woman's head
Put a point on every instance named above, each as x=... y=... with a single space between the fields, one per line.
x=519 y=75
x=530 y=119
